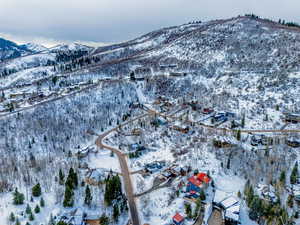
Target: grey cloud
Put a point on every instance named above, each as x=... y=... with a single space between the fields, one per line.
x=118 y=20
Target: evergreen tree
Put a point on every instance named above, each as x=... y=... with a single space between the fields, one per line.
x=37 y=209
x=104 y=220
x=69 y=197
x=12 y=217
x=197 y=208
x=18 y=198
x=188 y=210
x=31 y=217
x=249 y=193
x=228 y=163
x=17 y=222
x=72 y=179
x=113 y=189
x=202 y=195
x=290 y=201
x=42 y=202
x=282 y=177
x=116 y=212
x=28 y=209
x=61 y=177
x=36 y=190
x=239 y=194
x=243 y=121
x=238 y=135
x=62 y=223
x=294 y=174
x=255 y=208
x=88 y=196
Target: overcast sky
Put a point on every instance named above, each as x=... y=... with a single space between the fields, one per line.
x=107 y=21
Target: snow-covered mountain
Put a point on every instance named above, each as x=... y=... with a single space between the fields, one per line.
x=34 y=47
x=255 y=59
x=244 y=65
x=9 y=50
x=71 y=47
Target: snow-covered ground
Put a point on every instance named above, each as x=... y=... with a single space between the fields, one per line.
x=103 y=159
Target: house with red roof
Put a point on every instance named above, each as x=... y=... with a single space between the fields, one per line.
x=204 y=178
x=178 y=219
x=198 y=182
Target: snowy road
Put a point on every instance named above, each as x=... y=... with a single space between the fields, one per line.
x=124 y=168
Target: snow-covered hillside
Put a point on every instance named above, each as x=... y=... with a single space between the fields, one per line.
x=34 y=47
x=54 y=102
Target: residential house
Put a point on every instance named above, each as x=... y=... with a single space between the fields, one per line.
x=267 y=192
x=136 y=132
x=223 y=142
x=178 y=219
x=232 y=215
x=223 y=116
x=198 y=182
x=179 y=171
x=167 y=174
x=136 y=147
x=292 y=118
x=96 y=176
x=177 y=74
x=207 y=110
x=255 y=140
x=296 y=192
x=154 y=167
x=83 y=152
x=229 y=205
x=159 y=122
x=293 y=142
x=180 y=129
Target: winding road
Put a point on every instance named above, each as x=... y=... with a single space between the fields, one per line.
x=124 y=169
x=126 y=174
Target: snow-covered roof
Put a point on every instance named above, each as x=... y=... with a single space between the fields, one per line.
x=220 y=196
x=234 y=209
x=226 y=139
x=228 y=202
x=178 y=218
x=296 y=189
x=293 y=139
x=231 y=215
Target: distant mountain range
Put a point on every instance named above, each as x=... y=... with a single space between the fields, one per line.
x=11 y=50
x=34 y=47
